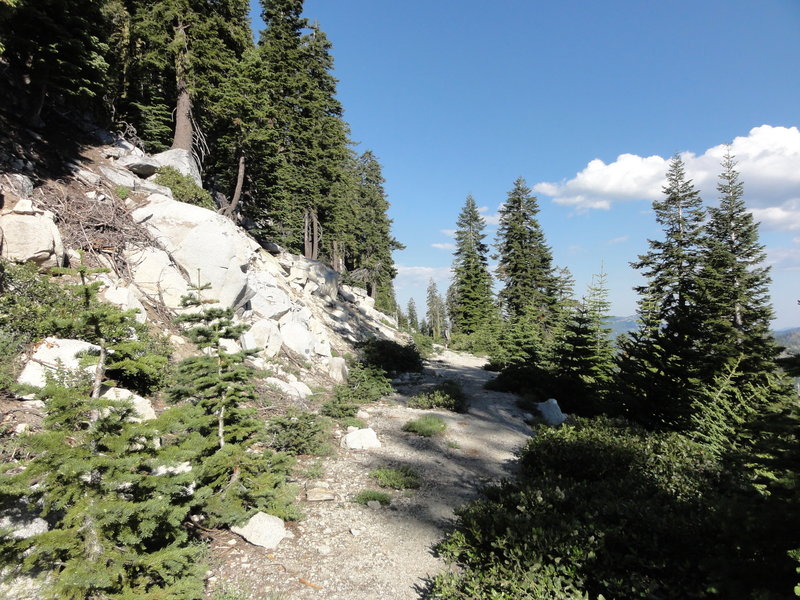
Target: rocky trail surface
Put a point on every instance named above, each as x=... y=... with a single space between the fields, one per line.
x=347 y=551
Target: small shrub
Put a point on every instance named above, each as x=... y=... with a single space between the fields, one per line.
x=426 y=426
x=122 y=192
x=453 y=444
x=391 y=356
x=299 y=433
x=423 y=344
x=448 y=395
x=368 y=383
x=365 y=496
x=397 y=478
x=184 y=189
x=340 y=407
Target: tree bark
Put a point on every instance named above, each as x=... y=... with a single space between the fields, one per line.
x=230 y=209
x=183 y=106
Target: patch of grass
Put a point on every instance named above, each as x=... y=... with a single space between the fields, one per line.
x=352 y=422
x=315 y=470
x=397 y=478
x=426 y=426
x=365 y=496
x=122 y=192
x=453 y=444
x=448 y=395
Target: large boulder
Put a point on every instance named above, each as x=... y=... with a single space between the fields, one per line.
x=269 y=300
x=155 y=275
x=181 y=160
x=143 y=166
x=263 y=530
x=141 y=406
x=211 y=248
x=296 y=334
x=52 y=356
x=124 y=297
x=29 y=234
x=265 y=335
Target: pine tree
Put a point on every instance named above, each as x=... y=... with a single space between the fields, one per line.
x=212 y=391
x=586 y=362
x=53 y=52
x=364 y=242
x=660 y=364
x=525 y=261
x=413 y=319
x=436 y=317
x=182 y=54
x=472 y=307
x=735 y=280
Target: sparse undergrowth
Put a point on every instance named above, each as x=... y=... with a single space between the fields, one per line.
x=365 y=496
x=397 y=478
x=448 y=395
x=426 y=426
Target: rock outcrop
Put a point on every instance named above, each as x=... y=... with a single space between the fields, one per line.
x=29 y=234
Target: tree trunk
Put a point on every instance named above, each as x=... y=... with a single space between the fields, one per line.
x=311 y=234
x=337 y=257
x=230 y=209
x=183 y=106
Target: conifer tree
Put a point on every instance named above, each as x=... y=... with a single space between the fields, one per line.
x=735 y=279
x=183 y=52
x=53 y=51
x=436 y=317
x=525 y=261
x=472 y=307
x=660 y=364
x=413 y=319
x=212 y=390
x=586 y=362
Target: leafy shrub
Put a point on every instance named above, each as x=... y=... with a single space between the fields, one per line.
x=391 y=356
x=122 y=192
x=423 y=344
x=448 y=395
x=352 y=422
x=368 y=383
x=426 y=426
x=298 y=432
x=365 y=496
x=398 y=478
x=184 y=189
x=603 y=509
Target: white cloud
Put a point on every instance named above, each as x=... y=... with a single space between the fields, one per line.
x=768 y=161
x=617 y=240
x=411 y=278
x=784 y=259
x=448 y=232
x=483 y=209
x=446 y=246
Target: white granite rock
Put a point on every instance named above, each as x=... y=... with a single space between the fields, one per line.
x=53 y=355
x=29 y=234
x=337 y=369
x=155 y=275
x=142 y=406
x=263 y=530
x=263 y=334
x=362 y=439
x=551 y=412
x=181 y=160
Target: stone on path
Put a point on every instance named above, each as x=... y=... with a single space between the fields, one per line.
x=263 y=530
x=361 y=439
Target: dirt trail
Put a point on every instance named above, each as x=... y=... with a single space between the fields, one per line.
x=345 y=551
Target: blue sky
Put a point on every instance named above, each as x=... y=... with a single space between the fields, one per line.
x=586 y=100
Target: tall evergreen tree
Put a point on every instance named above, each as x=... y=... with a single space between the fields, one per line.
x=413 y=319
x=660 y=363
x=525 y=261
x=586 y=362
x=735 y=279
x=53 y=51
x=183 y=54
x=472 y=306
x=436 y=317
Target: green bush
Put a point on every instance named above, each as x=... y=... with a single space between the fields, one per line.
x=426 y=426
x=367 y=383
x=391 y=356
x=297 y=432
x=397 y=478
x=448 y=395
x=365 y=496
x=602 y=509
x=423 y=343
x=184 y=189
